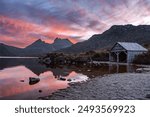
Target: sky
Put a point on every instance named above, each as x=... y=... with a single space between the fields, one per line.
x=24 y=21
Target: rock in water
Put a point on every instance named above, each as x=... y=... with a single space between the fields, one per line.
x=139 y=70
x=40 y=91
x=33 y=81
x=89 y=70
x=69 y=80
x=21 y=80
x=63 y=79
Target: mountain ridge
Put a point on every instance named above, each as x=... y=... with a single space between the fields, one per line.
x=117 y=33
x=38 y=47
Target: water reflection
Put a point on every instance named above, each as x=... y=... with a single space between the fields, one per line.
x=14 y=79
x=15 y=73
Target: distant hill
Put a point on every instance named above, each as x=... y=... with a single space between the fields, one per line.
x=6 y=50
x=117 y=33
x=36 y=48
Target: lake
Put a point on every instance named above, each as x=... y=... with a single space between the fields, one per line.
x=15 y=74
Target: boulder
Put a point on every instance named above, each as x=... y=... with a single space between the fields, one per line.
x=69 y=80
x=140 y=70
x=21 y=80
x=40 y=91
x=146 y=69
x=33 y=80
x=89 y=70
x=63 y=79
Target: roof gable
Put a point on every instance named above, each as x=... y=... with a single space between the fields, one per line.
x=117 y=47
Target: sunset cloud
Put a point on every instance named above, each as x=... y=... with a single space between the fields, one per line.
x=24 y=21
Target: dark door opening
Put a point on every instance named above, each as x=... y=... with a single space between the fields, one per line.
x=113 y=57
x=122 y=57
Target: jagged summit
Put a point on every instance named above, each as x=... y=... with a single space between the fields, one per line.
x=58 y=42
x=61 y=40
x=39 y=40
x=36 y=48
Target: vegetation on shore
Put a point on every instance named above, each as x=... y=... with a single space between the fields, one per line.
x=86 y=58
x=74 y=59
x=143 y=59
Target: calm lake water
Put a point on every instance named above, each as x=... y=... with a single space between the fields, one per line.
x=15 y=73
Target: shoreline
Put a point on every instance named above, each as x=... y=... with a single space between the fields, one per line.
x=122 y=86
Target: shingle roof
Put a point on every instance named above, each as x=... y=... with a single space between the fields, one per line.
x=132 y=46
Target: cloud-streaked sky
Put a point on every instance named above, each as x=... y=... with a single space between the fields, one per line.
x=24 y=21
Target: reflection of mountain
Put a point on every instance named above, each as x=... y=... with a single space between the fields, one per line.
x=34 y=66
x=62 y=71
x=11 y=86
x=37 y=48
x=31 y=64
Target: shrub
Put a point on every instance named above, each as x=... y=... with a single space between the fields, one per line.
x=143 y=58
x=100 y=56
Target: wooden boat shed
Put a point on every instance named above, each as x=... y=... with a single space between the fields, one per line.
x=125 y=52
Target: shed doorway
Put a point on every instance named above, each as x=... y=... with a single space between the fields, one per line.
x=118 y=57
x=122 y=57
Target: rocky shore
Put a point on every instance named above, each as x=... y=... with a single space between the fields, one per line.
x=109 y=87
x=85 y=59
x=128 y=86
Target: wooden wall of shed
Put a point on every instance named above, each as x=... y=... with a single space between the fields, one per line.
x=131 y=55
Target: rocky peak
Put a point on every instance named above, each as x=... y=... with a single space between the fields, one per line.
x=62 y=41
x=39 y=41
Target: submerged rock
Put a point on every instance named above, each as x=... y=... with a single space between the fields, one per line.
x=61 y=78
x=21 y=80
x=69 y=80
x=40 y=91
x=33 y=81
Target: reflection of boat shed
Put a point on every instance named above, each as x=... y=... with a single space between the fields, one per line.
x=125 y=52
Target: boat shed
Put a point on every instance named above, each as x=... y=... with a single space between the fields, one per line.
x=125 y=52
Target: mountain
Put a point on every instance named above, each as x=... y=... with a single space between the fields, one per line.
x=61 y=43
x=36 y=48
x=6 y=50
x=40 y=47
x=117 y=33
